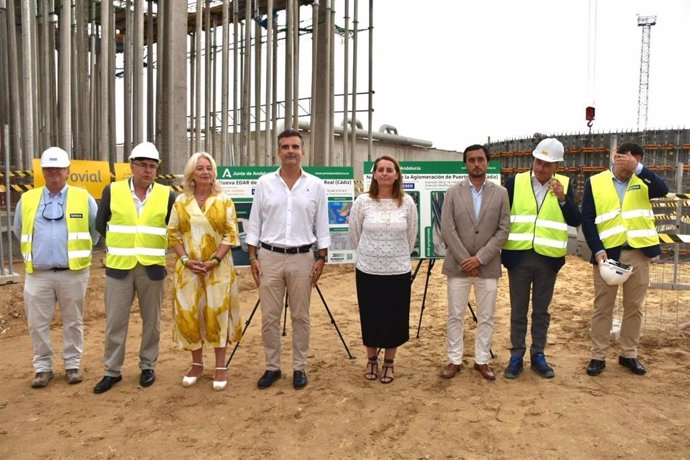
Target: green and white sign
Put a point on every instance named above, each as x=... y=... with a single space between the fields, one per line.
x=427 y=182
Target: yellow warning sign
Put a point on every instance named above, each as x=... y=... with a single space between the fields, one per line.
x=91 y=175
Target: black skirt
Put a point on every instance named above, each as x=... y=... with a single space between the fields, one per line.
x=384 y=309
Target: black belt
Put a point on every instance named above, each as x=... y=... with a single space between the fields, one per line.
x=58 y=269
x=297 y=250
x=627 y=248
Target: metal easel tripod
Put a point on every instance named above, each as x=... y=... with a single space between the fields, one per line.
x=432 y=262
x=256 y=306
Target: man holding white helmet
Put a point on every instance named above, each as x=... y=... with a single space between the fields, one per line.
x=56 y=226
x=542 y=208
x=618 y=224
x=133 y=216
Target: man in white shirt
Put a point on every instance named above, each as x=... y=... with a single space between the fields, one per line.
x=289 y=214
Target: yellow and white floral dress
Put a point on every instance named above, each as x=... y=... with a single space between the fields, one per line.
x=206 y=308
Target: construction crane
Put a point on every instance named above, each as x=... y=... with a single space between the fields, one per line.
x=646 y=22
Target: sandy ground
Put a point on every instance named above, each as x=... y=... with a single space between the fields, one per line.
x=341 y=415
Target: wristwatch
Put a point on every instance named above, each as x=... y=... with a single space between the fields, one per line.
x=320 y=257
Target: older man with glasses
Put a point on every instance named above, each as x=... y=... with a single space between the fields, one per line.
x=56 y=225
x=133 y=217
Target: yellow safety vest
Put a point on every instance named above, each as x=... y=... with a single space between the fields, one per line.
x=77 y=217
x=633 y=222
x=131 y=238
x=544 y=230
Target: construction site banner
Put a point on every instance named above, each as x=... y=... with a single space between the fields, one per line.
x=91 y=175
x=427 y=182
x=239 y=182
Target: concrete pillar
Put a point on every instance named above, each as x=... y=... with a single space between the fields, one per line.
x=321 y=106
x=173 y=140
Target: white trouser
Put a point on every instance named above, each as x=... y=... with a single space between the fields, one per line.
x=42 y=289
x=485 y=290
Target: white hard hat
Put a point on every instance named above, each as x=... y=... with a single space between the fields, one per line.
x=55 y=157
x=145 y=150
x=614 y=272
x=550 y=150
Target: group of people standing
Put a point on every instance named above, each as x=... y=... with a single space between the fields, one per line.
x=524 y=226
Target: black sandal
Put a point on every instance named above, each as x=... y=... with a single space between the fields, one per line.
x=387 y=376
x=372 y=372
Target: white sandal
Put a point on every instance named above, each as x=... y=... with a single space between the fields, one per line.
x=188 y=381
x=220 y=385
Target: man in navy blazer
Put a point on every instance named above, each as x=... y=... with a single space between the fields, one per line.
x=618 y=223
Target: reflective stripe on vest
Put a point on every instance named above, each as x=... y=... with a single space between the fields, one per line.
x=77 y=218
x=631 y=224
x=545 y=230
x=131 y=238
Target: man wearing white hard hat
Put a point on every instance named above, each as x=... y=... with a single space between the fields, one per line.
x=542 y=207
x=618 y=224
x=133 y=216
x=56 y=227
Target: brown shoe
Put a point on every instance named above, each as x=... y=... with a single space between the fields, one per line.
x=450 y=370
x=73 y=376
x=485 y=370
x=42 y=379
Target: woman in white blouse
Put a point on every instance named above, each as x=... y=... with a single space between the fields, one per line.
x=383 y=228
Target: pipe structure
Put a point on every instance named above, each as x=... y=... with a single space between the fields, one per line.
x=138 y=73
x=345 y=159
x=258 y=44
x=160 y=40
x=13 y=83
x=208 y=78
x=197 y=79
x=274 y=101
x=28 y=106
x=269 y=84
x=43 y=84
x=295 y=67
x=65 y=65
x=191 y=128
x=127 y=83
x=355 y=39
x=370 y=121
x=103 y=131
x=150 y=109
x=330 y=8
x=235 y=81
x=314 y=78
x=246 y=83
x=112 y=127
x=225 y=71
x=214 y=88
x=377 y=136
x=289 y=62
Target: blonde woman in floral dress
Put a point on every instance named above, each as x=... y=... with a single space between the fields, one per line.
x=202 y=230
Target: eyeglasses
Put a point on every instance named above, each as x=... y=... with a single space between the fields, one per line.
x=61 y=206
x=145 y=165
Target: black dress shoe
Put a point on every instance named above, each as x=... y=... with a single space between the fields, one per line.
x=106 y=384
x=148 y=376
x=299 y=380
x=633 y=364
x=595 y=367
x=268 y=379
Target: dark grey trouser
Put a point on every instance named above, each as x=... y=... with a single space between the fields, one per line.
x=534 y=274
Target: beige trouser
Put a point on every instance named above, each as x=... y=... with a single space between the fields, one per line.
x=119 y=295
x=634 y=293
x=485 y=291
x=281 y=271
x=41 y=290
